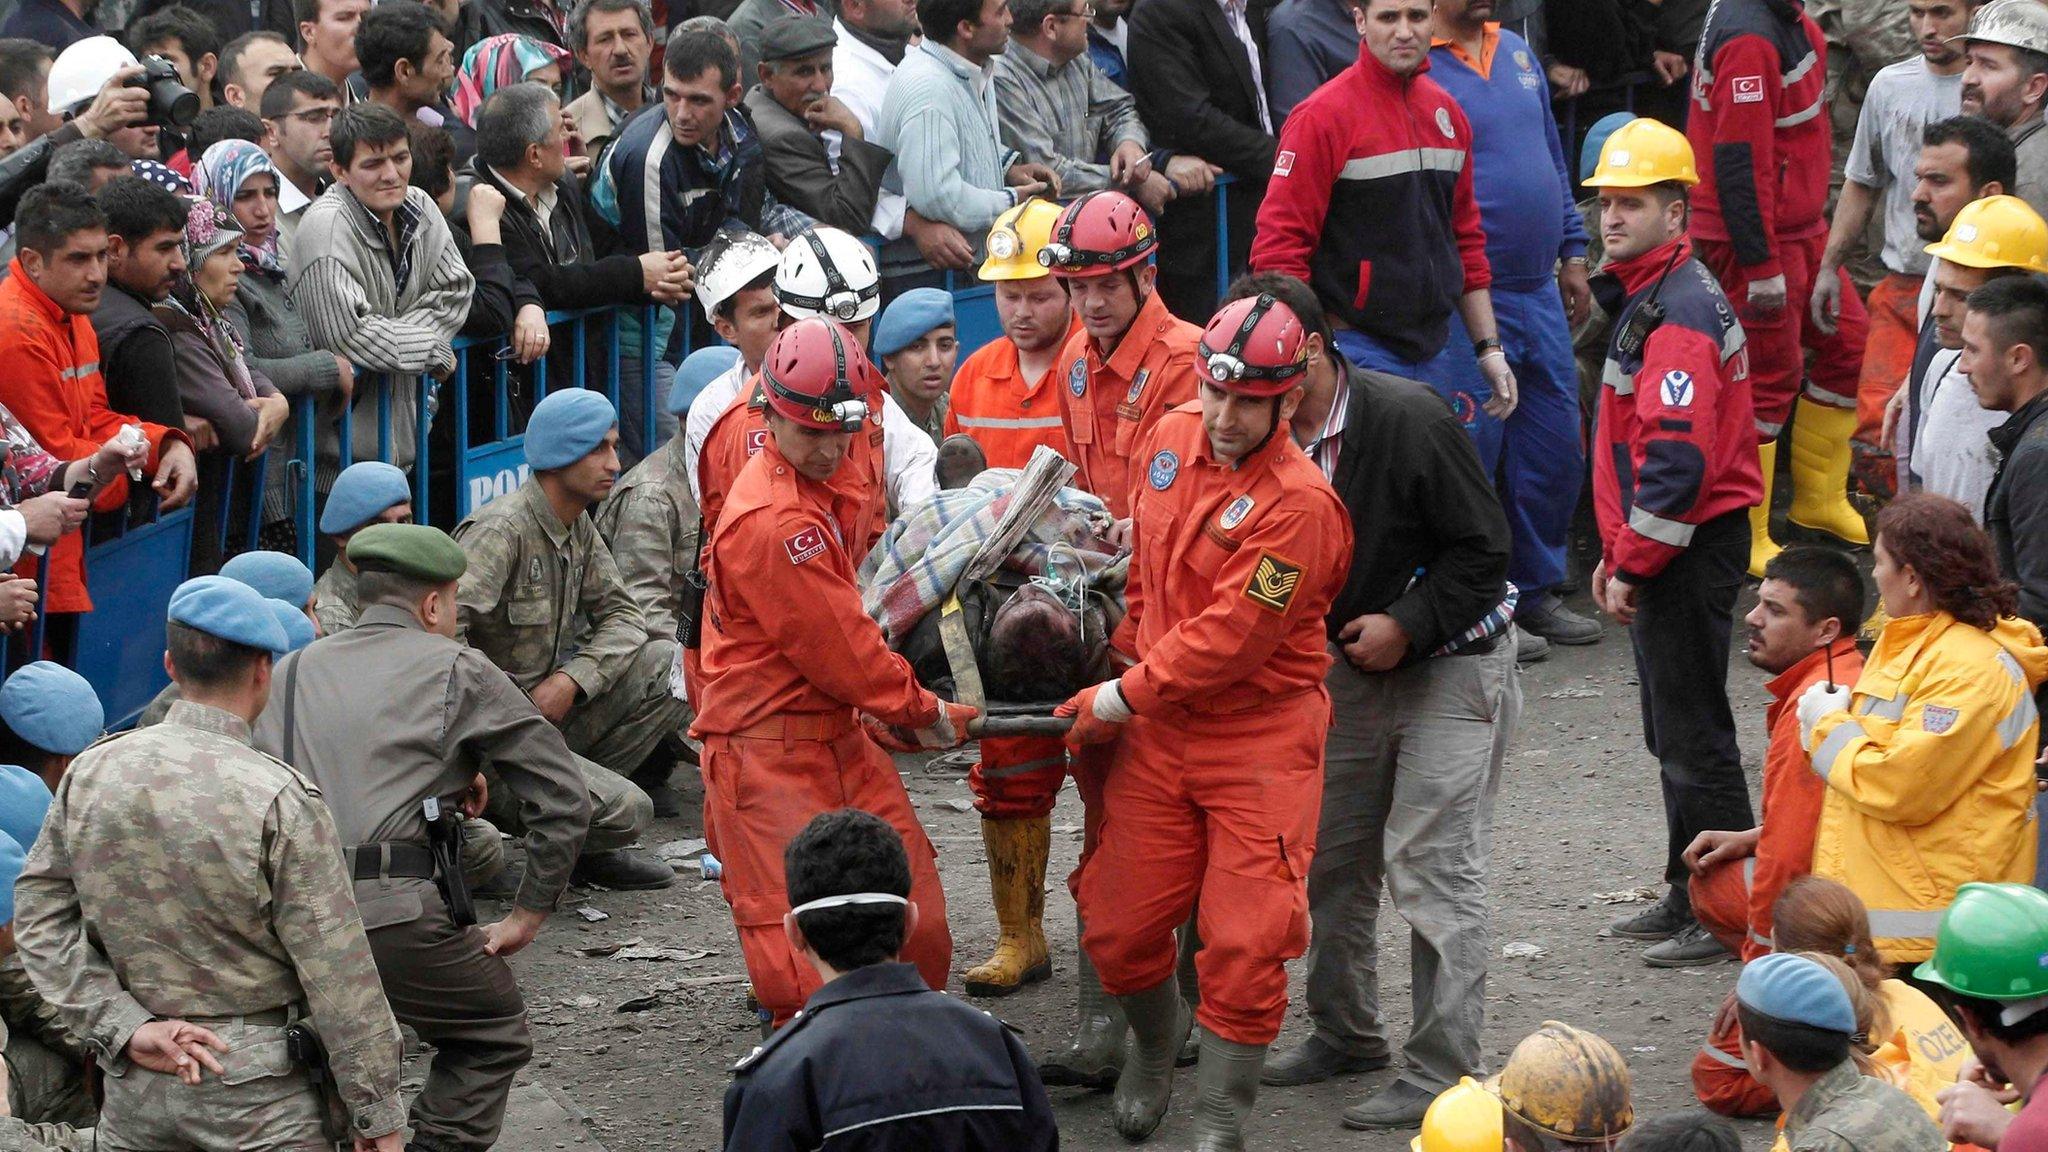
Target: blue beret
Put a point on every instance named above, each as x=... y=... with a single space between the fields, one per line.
x=274 y=575
x=1596 y=139
x=24 y=800
x=361 y=494
x=909 y=316
x=298 y=627
x=698 y=369
x=566 y=427
x=1789 y=987
x=52 y=707
x=229 y=610
x=12 y=859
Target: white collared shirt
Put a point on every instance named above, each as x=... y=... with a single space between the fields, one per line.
x=1234 y=15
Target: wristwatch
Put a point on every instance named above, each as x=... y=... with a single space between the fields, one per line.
x=1482 y=347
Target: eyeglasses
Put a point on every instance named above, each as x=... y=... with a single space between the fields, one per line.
x=312 y=117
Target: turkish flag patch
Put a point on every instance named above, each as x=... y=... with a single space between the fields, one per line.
x=1748 y=89
x=757 y=439
x=1273 y=582
x=804 y=545
x=1283 y=164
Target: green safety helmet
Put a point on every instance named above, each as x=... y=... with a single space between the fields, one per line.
x=1992 y=943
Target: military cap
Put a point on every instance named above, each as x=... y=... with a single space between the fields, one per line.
x=298 y=627
x=2017 y=23
x=52 y=707
x=362 y=493
x=413 y=550
x=908 y=317
x=566 y=427
x=228 y=610
x=1792 y=988
x=274 y=575
x=697 y=371
x=24 y=800
x=12 y=860
x=790 y=36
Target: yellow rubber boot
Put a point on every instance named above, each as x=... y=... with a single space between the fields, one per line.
x=1017 y=851
x=1820 y=472
x=1761 y=546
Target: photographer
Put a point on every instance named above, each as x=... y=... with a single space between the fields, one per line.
x=117 y=105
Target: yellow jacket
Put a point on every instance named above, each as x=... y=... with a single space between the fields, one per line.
x=1930 y=773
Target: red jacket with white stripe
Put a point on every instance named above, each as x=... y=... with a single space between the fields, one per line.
x=1371 y=203
x=1675 y=443
x=1759 y=130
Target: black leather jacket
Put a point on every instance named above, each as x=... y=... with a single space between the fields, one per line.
x=25 y=167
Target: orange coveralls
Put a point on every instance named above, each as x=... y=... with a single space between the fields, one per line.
x=789 y=661
x=1219 y=774
x=1108 y=406
x=1006 y=414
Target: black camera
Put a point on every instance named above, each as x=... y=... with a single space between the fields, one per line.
x=171 y=104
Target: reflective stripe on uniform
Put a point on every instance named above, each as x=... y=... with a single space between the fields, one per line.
x=1801 y=116
x=1613 y=377
x=1824 y=756
x=1904 y=924
x=80 y=372
x=1676 y=533
x=1821 y=395
x=1893 y=710
x=1404 y=162
x=1006 y=421
x=1720 y=1057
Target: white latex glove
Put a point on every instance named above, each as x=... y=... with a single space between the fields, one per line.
x=1768 y=295
x=1816 y=702
x=1501 y=379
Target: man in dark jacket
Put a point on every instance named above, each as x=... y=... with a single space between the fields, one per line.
x=791 y=106
x=145 y=255
x=1426 y=696
x=2005 y=337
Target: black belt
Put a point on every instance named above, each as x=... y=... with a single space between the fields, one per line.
x=392 y=860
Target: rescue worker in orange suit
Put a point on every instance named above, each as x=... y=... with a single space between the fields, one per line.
x=1126 y=364
x=791 y=665
x=1218 y=725
x=1803 y=632
x=1761 y=133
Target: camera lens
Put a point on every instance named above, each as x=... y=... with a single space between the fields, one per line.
x=171 y=104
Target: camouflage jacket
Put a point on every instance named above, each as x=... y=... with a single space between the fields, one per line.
x=24 y=1010
x=334 y=599
x=542 y=596
x=1846 y=1111
x=1863 y=36
x=650 y=521
x=182 y=873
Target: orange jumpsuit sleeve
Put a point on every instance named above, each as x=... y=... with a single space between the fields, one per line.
x=803 y=597
x=1793 y=797
x=1233 y=634
x=1723 y=1082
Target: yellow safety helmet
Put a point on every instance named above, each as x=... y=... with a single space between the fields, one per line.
x=1016 y=237
x=1463 y=1118
x=1567 y=1083
x=1995 y=232
x=1643 y=152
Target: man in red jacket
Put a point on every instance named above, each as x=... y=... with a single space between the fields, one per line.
x=1674 y=474
x=1760 y=129
x=50 y=367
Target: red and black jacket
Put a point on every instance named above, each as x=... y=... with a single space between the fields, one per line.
x=1759 y=130
x=1371 y=203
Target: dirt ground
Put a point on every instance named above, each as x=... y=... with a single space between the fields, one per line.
x=642 y=1046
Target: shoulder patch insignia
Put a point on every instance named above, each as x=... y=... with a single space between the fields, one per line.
x=1747 y=89
x=1283 y=164
x=757 y=439
x=1677 y=389
x=804 y=545
x=1236 y=512
x=1936 y=719
x=1273 y=583
x=1077 y=378
x=534 y=573
x=1137 y=385
x=1521 y=58
x=1165 y=467
x=1443 y=124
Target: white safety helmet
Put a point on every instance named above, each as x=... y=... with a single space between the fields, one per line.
x=827 y=272
x=729 y=263
x=80 y=71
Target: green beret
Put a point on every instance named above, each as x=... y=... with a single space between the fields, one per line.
x=413 y=550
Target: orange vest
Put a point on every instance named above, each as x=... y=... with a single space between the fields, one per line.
x=1006 y=414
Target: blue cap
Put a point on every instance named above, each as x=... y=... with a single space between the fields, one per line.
x=566 y=427
x=52 y=707
x=298 y=627
x=361 y=494
x=1596 y=139
x=274 y=575
x=909 y=316
x=1792 y=988
x=229 y=610
x=12 y=860
x=24 y=800
x=698 y=369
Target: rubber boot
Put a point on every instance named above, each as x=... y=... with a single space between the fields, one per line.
x=1761 y=547
x=1226 y=1087
x=1820 y=472
x=1017 y=850
x=1096 y=1054
x=1190 y=940
x=1160 y=1022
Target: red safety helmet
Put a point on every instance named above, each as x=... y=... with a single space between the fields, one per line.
x=1101 y=233
x=817 y=375
x=1254 y=347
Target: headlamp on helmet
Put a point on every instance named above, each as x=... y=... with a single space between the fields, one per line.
x=1228 y=366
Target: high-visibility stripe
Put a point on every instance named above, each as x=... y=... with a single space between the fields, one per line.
x=1824 y=756
x=1401 y=163
x=922 y=1112
x=1749 y=873
x=1768 y=429
x=1831 y=399
x=1800 y=69
x=1732 y=342
x=1903 y=923
x=1613 y=377
x=2018 y=722
x=1801 y=116
x=1720 y=1057
x=79 y=372
x=1893 y=710
x=1676 y=533
x=1760 y=940
x=1006 y=421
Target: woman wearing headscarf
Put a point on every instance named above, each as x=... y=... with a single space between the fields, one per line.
x=501 y=61
x=239 y=177
x=216 y=381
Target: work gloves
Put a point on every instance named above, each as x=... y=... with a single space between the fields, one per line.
x=1816 y=702
x=1098 y=712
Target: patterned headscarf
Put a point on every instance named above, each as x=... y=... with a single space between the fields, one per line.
x=496 y=62
x=208 y=229
x=220 y=174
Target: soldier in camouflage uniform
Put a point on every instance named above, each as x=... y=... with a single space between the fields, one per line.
x=187 y=901
x=367 y=492
x=543 y=599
